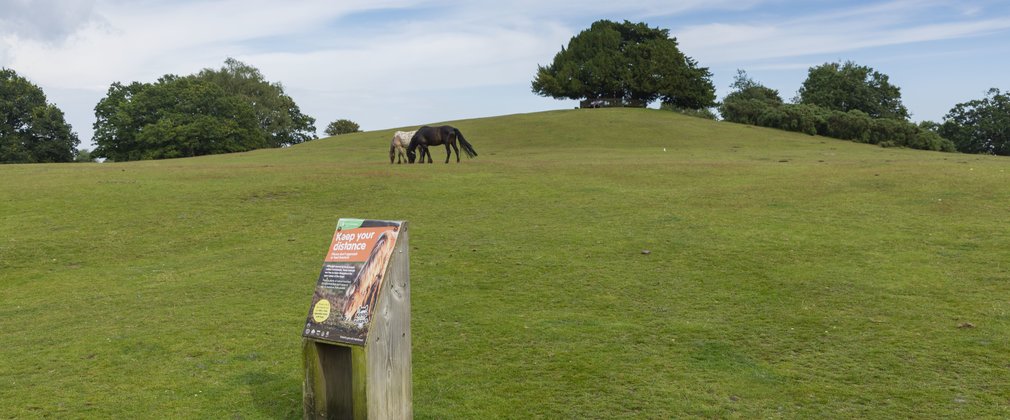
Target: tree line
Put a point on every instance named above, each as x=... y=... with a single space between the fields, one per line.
x=631 y=64
x=234 y=109
x=230 y=109
x=844 y=101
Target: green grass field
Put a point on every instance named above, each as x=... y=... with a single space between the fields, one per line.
x=788 y=275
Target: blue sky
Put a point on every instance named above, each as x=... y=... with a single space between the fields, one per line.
x=401 y=63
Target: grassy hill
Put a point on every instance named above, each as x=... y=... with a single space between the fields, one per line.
x=788 y=275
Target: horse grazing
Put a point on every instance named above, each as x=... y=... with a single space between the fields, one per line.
x=434 y=136
x=398 y=147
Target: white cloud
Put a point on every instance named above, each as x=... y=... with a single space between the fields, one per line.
x=45 y=20
x=383 y=65
x=852 y=29
x=381 y=61
x=416 y=61
x=143 y=40
x=609 y=9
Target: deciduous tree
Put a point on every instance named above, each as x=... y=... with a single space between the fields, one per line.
x=980 y=125
x=31 y=129
x=231 y=109
x=630 y=62
x=748 y=100
x=276 y=112
x=175 y=117
x=846 y=87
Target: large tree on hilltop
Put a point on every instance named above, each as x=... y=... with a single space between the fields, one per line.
x=846 y=87
x=627 y=61
x=31 y=129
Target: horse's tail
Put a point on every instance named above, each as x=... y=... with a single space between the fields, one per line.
x=392 y=150
x=465 y=145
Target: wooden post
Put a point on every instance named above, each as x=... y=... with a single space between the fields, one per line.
x=356 y=352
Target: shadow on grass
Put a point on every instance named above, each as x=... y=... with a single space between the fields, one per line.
x=276 y=396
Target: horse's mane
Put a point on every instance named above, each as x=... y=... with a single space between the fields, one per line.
x=416 y=138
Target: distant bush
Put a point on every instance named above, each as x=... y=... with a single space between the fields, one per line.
x=83 y=155
x=342 y=126
x=853 y=125
x=749 y=101
x=754 y=104
x=705 y=113
x=799 y=118
x=744 y=111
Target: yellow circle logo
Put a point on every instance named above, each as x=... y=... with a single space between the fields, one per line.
x=321 y=311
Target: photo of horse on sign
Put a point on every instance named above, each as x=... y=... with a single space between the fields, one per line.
x=434 y=136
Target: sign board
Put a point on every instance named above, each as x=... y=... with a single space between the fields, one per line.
x=350 y=280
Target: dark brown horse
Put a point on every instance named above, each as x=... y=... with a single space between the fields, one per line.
x=434 y=136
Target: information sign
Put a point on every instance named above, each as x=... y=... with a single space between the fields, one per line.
x=350 y=280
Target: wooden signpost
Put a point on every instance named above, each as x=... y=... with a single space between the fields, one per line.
x=356 y=345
